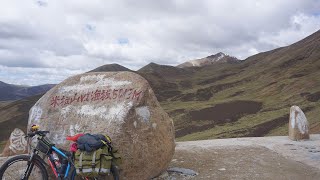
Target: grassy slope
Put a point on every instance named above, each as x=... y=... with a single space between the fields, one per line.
x=15 y=115
x=279 y=79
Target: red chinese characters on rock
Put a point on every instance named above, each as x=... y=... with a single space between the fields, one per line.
x=97 y=95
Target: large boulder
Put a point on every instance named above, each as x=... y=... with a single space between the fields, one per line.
x=298 y=124
x=16 y=144
x=120 y=104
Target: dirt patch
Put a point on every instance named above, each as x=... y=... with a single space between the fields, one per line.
x=168 y=94
x=212 y=80
x=307 y=109
x=293 y=61
x=297 y=75
x=219 y=114
x=315 y=128
x=192 y=129
x=304 y=94
x=221 y=87
x=227 y=111
x=184 y=97
x=313 y=97
x=237 y=93
x=203 y=94
x=264 y=128
x=206 y=93
x=162 y=89
x=232 y=134
x=240 y=163
x=272 y=83
x=186 y=84
x=165 y=94
x=176 y=112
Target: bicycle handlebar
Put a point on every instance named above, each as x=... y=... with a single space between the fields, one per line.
x=40 y=133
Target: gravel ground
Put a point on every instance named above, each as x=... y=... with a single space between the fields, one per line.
x=248 y=158
x=273 y=158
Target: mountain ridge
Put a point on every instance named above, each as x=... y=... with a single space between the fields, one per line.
x=209 y=60
x=16 y=92
x=249 y=98
x=110 y=67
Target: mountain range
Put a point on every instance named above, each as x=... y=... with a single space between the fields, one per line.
x=221 y=97
x=15 y=92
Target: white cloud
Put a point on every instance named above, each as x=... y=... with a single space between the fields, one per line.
x=68 y=37
x=35 y=76
x=301 y=25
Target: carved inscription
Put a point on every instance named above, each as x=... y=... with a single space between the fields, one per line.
x=97 y=95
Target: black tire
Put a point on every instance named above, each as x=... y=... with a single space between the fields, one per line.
x=11 y=169
x=115 y=171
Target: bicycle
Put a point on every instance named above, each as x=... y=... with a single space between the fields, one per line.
x=59 y=160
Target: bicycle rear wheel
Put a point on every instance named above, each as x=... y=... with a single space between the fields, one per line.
x=14 y=169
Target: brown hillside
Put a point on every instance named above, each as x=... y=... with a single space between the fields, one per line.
x=250 y=98
x=278 y=79
x=15 y=115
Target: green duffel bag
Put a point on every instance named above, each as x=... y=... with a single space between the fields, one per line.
x=116 y=157
x=93 y=164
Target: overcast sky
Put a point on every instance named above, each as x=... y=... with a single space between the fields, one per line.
x=44 y=41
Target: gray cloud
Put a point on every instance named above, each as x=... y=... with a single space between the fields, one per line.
x=11 y=30
x=74 y=36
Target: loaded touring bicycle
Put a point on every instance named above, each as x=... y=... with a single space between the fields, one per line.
x=83 y=162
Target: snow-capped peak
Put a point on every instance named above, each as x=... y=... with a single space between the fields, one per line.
x=208 y=60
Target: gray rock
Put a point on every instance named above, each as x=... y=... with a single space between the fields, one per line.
x=120 y=104
x=183 y=171
x=17 y=144
x=298 y=124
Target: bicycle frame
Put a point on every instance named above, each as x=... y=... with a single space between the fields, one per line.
x=34 y=155
x=53 y=166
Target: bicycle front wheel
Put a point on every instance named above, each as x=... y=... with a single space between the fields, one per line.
x=15 y=168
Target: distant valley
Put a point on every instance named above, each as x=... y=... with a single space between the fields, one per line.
x=14 y=92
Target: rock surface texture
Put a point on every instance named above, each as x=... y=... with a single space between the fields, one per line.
x=16 y=144
x=120 y=104
x=298 y=124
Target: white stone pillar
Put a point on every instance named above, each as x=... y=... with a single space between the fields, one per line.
x=298 y=124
